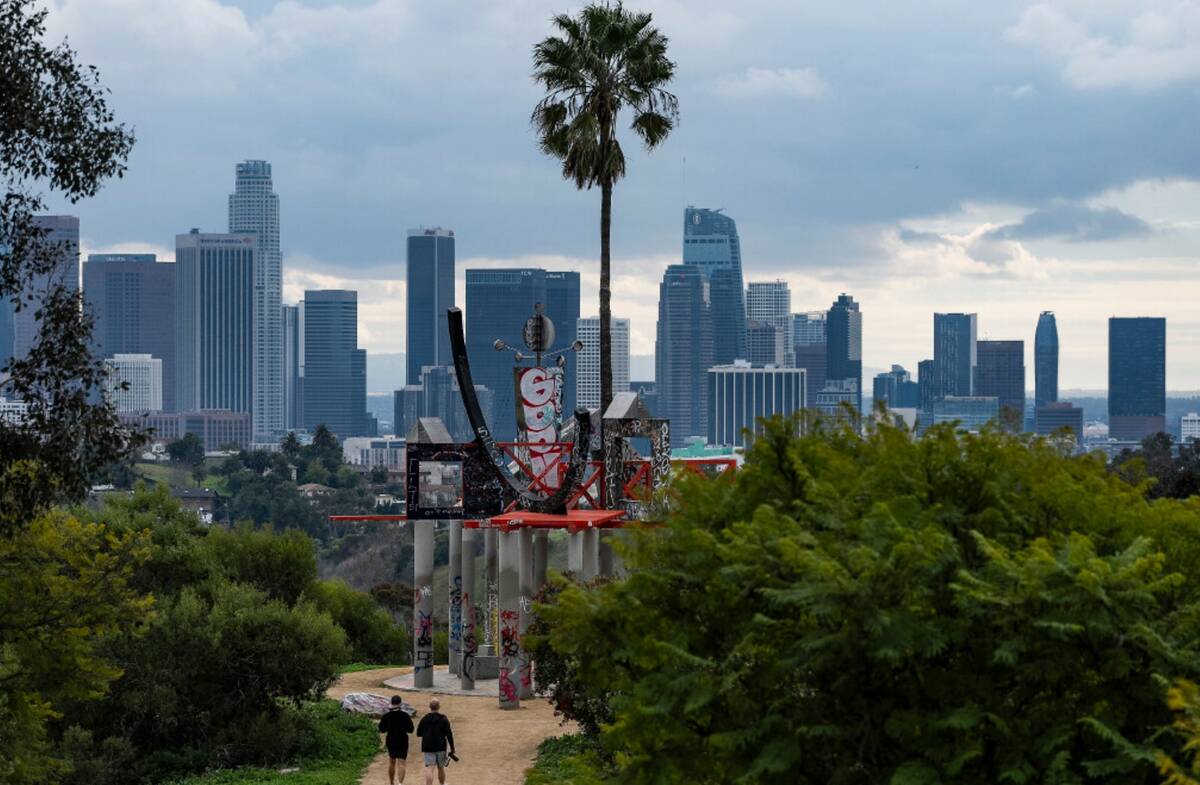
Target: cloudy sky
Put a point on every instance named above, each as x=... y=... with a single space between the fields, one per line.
x=1004 y=158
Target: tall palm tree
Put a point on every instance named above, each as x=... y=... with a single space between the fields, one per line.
x=598 y=63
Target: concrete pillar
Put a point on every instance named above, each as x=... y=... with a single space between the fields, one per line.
x=575 y=554
x=423 y=603
x=467 y=568
x=510 y=613
x=541 y=557
x=492 y=593
x=525 y=608
x=606 y=559
x=591 y=553
x=454 y=608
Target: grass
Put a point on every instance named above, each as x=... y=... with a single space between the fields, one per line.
x=573 y=759
x=347 y=743
x=358 y=667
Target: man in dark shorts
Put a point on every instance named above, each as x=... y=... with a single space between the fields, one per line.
x=397 y=725
x=434 y=730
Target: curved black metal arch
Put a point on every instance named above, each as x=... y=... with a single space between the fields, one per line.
x=518 y=486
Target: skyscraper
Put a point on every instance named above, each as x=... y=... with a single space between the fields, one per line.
x=132 y=297
x=134 y=382
x=683 y=349
x=335 y=369
x=1137 y=377
x=1000 y=373
x=766 y=344
x=954 y=353
x=254 y=207
x=429 y=294
x=214 y=321
x=808 y=350
x=843 y=344
x=22 y=327
x=897 y=389
x=771 y=302
x=741 y=397
x=587 y=375
x=1045 y=360
x=498 y=303
x=710 y=242
x=293 y=366
x=927 y=384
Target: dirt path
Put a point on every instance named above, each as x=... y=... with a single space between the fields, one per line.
x=496 y=747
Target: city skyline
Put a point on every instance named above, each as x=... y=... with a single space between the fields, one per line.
x=1009 y=215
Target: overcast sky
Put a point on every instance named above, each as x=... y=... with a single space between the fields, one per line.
x=1004 y=158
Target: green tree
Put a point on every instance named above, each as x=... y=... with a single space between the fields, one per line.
x=960 y=609
x=316 y=472
x=371 y=632
x=602 y=61
x=188 y=450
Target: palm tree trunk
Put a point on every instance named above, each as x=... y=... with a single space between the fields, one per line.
x=606 y=380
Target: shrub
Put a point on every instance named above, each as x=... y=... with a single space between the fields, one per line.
x=372 y=634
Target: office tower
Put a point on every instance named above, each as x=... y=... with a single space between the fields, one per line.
x=1045 y=360
x=437 y=395
x=1052 y=417
x=926 y=384
x=830 y=400
x=1000 y=373
x=587 y=375
x=971 y=412
x=683 y=350
x=429 y=294
x=214 y=321
x=498 y=304
x=710 y=242
x=808 y=329
x=897 y=389
x=254 y=207
x=335 y=369
x=1137 y=377
x=216 y=429
x=954 y=353
x=766 y=344
x=134 y=383
x=811 y=357
x=1189 y=427
x=20 y=329
x=843 y=345
x=771 y=302
x=132 y=299
x=293 y=366
x=740 y=396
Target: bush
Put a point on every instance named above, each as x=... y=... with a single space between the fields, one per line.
x=567 y=760
x=371 y=632
x=854 y=609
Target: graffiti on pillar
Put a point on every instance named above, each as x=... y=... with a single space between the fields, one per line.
x=423 y=660
x=539 y=418
x=510 y=636
x=456 y=599
x=469 y=646
x=493 y=615
x=424 y=655
x=508 y=690
x=526 y=604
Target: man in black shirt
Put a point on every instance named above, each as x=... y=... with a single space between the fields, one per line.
x=397 y=725
x=435 y=733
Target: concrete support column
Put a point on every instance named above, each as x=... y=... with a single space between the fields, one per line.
x=575 y=553
x=591 y=553
x=491 y=595
x=607 y=557
x=541 y=556
x=525 y=608
x=467 y=568
x=454 y=609
x=510 y=613
x=423 y=603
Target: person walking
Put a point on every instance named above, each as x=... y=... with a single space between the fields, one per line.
x=397 y=725
x=436 y=736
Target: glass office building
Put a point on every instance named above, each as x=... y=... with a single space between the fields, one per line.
x=740 y=396
x=429 y=294
x=1137 y=377
x=711 y=243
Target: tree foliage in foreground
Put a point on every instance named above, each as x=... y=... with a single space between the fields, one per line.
x=863 y=610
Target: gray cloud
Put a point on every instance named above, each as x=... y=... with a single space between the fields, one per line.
x=1074 y=223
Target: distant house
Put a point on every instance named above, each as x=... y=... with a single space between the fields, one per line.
x=201 y=501
x=313 y=489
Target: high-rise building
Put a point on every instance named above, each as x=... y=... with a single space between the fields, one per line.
x=429 y=294
x=132 y=299
x=254 y=207
x=1052 y=417
x=897 y=389
x=683 y=349
x=808 y=329
x=134 y=382
x=335 y=369
x=766 y=344
x=214 y=321
x=20 y=329
x=971 y=412
x=843 y=344
x=710 y=242
x=587 y=375
x=770 y=302
x=812 y=358
x=498 y=304
x=1137 y=377
x=293 y=366
x=927 y=384
x=954 y=353
x=740 y=396
x=1000 y=373
x=1189 y=427
x=437 y=395
x=1045 y=360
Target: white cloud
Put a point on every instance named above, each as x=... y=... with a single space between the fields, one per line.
x=774 y=82
x=1158 y=46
